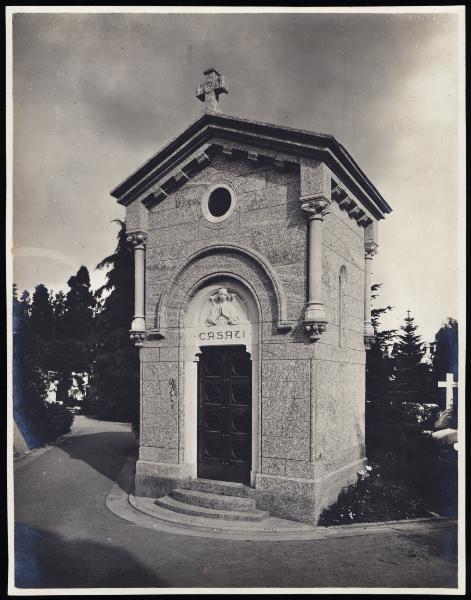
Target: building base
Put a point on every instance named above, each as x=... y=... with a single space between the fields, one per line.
x=300 y=500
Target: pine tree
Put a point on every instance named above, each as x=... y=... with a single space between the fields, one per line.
x=411 y=375
x=410 y=350
x=114 y=390
x=412 y=391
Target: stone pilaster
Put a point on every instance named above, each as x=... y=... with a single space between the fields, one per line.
x=371 y=248
x=315 y=320
x=138 y=241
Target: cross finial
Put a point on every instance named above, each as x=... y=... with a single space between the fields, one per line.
x=209 y=91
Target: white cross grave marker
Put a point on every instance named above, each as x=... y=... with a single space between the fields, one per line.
x=449 y=384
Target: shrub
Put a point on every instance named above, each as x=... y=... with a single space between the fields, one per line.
x=42 y=423
x=59 y=421
x=114 y=387
x=39 y=423
x=372 y=498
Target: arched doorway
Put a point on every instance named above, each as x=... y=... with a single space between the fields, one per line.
x=221 y=382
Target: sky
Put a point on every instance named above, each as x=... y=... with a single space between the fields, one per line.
x=95 y=95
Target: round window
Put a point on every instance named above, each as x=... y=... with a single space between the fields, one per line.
x=218 y=203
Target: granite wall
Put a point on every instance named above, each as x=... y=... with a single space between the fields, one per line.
x=311 y=395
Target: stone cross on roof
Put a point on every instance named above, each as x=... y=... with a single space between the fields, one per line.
x=208 y=91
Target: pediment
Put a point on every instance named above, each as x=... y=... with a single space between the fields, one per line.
x=278 y=146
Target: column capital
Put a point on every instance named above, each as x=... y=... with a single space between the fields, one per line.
x=316 y=207
x=369 y=340
x=371 y=248
x=138 y=337
x=137 y=239
x=315 y=329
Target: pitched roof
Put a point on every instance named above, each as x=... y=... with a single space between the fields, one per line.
x=277 y=138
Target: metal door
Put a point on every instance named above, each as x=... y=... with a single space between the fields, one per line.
x=225 y=414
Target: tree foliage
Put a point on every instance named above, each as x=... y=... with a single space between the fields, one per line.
x=412 y=381
x=398 y=385
x=31 y=357
x=379 y=367
x=400 y=410
x=41 y=318
x=79 y=306
x=114 y=392
x=79 y=331
x=445 y=358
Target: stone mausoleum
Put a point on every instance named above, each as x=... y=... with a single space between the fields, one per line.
x=253 y=245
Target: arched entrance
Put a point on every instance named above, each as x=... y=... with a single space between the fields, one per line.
x=221 y=382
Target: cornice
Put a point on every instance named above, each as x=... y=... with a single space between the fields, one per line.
x=260 y=135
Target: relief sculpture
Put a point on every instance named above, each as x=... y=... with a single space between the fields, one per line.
x=222 y=309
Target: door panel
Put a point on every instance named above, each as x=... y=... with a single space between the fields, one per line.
x=225 y=414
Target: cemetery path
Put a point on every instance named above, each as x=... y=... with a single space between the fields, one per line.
x=66 y=537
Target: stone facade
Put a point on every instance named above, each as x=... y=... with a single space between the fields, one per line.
x=307 y=345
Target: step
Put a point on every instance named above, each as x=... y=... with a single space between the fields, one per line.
x=270 y=528
x=210 y=500
x=226 y=488
x=210 y=513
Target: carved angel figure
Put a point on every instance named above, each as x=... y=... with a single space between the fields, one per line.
x=221 y=307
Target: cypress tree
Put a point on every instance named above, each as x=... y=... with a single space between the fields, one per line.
x=59 y=310
x=445 y=357
x=79 y=306
x=73 y=318
x=41 y=318
x=445 y=360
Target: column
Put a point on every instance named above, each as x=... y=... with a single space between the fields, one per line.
x=138 y=241
x=314 y=316
x=371 y=248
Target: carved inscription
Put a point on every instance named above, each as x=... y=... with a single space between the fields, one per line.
x=230 y=334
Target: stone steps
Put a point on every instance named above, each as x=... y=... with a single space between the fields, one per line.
x=224 y=488
x=211 y=500
x=172 y=504
x=270 y=528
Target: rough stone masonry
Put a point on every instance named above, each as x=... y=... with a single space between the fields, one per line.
x=253 y=245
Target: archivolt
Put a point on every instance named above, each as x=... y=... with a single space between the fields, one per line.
x=223 y=248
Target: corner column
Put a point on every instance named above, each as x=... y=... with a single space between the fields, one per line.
x=315 y=320
x=371 y=247
x=138 y=241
